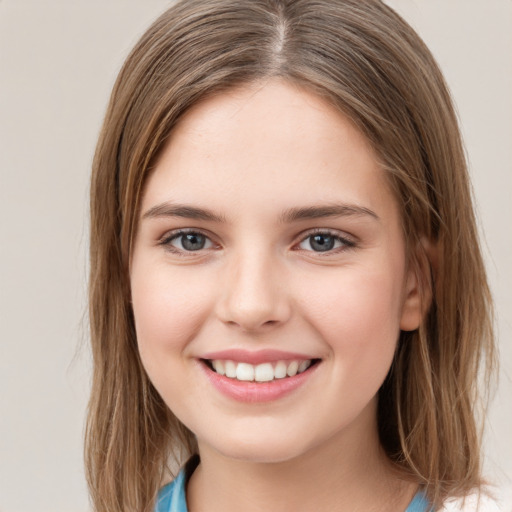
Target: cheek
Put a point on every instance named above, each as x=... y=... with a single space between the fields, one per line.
x=168 y=308
x=358 y=315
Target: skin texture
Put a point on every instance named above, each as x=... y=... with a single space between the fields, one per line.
x=249 y=156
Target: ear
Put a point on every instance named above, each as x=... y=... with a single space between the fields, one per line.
x=418 y=286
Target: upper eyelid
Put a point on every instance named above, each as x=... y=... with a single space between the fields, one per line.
x=342 y=235
x=174 y=233
x=166 y=240
x=305 y=233
x=327 y=231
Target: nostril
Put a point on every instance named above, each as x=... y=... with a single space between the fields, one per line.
x=250 y=299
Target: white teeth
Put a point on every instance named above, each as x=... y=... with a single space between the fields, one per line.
x=245 y=371
x=292 y=368
x=230 y=368
x=280 y=370
x=304 y=365
x=218 y=366
x=264 y=372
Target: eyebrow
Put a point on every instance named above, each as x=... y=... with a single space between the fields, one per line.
x=321 y=211
x=168 y=209
x=290 y=215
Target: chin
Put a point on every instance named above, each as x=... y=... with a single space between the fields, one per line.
x=255 y=454
x=260 y=448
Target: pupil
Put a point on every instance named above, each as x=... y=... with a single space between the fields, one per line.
x=322 y=243
x=193 y=241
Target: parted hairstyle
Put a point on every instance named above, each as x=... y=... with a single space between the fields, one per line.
x=367 y=62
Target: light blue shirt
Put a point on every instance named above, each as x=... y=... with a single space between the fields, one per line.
x=172 y=498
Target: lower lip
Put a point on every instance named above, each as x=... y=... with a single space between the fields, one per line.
x=247 y=391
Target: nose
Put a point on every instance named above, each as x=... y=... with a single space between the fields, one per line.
x=254 y=296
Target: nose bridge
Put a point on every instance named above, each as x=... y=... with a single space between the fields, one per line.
x=254 y=295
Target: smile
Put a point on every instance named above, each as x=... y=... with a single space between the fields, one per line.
x=262 y=376
x=264 y=372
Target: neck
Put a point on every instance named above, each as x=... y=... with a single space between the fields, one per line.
x=348 y=472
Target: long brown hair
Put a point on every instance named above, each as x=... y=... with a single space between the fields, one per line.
x=366 y=61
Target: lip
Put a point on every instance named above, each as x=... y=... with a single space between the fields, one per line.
x=257 y=392
x=256 y=357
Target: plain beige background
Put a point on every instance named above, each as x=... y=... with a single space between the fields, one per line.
x=58 y=61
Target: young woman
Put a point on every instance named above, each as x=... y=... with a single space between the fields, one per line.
x=286 y=283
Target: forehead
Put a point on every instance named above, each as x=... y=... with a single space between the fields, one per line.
x=270 y=144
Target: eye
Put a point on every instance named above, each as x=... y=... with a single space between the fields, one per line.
x=188 y=241
x=324 y=242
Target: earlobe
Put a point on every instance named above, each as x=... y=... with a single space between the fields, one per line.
x=418 y=288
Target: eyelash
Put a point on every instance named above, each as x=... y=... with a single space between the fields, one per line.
x=175 y=235
x=346 y=242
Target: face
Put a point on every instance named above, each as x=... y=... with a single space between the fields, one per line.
x=269 y=278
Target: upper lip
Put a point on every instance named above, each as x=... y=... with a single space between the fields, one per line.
x=255 y=357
